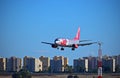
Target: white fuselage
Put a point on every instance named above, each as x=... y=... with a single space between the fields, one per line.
x=66 y=42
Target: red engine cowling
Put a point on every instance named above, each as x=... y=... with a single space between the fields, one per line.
x=54 y=46
x=75 y=45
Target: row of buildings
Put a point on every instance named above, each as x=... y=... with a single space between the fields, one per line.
x=90 y=64
x=59 y=64
x=33 y=64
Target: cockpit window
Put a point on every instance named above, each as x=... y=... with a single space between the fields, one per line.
x=56 y=39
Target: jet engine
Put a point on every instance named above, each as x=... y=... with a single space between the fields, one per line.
x=54 y=46
x=75 y=46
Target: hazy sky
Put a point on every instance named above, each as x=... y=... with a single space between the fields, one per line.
x=25 y=23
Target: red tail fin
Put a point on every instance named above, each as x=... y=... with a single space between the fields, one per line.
x=77 y=37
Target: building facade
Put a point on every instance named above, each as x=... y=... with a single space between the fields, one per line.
x=58 y=64
x=65 y=61
x=2 y=64
x=45 y=63
x=13 y=64
x=117 y=60
x=92 y=64
x=32 y=64
x=80 y=65
x=108 y=64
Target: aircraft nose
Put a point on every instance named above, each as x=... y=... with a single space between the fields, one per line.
x=57 y=42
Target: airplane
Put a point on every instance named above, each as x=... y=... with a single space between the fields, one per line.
x=72 y=43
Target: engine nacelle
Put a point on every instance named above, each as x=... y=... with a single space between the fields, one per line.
x=75 y=46
x=54 y=46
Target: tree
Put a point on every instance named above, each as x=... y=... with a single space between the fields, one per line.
x=70 y=69
x=26 y=74
x=22 y=74
x=17 y=75
x=66 y=68
x=49 y=69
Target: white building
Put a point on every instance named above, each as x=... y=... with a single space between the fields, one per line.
x=92 y=63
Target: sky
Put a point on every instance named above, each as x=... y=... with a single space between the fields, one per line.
x=25 y=23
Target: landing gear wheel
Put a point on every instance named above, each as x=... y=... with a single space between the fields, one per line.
x=62 y=48
x=57 y=47
x=73 y=49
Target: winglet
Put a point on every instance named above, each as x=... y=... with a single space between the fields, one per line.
x=77 y=37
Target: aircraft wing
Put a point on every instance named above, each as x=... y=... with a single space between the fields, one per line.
x=84 y=44
x=47 y=43
x=84 y=40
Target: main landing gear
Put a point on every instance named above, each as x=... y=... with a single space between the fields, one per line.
x=62 y=48
x=73 y=49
